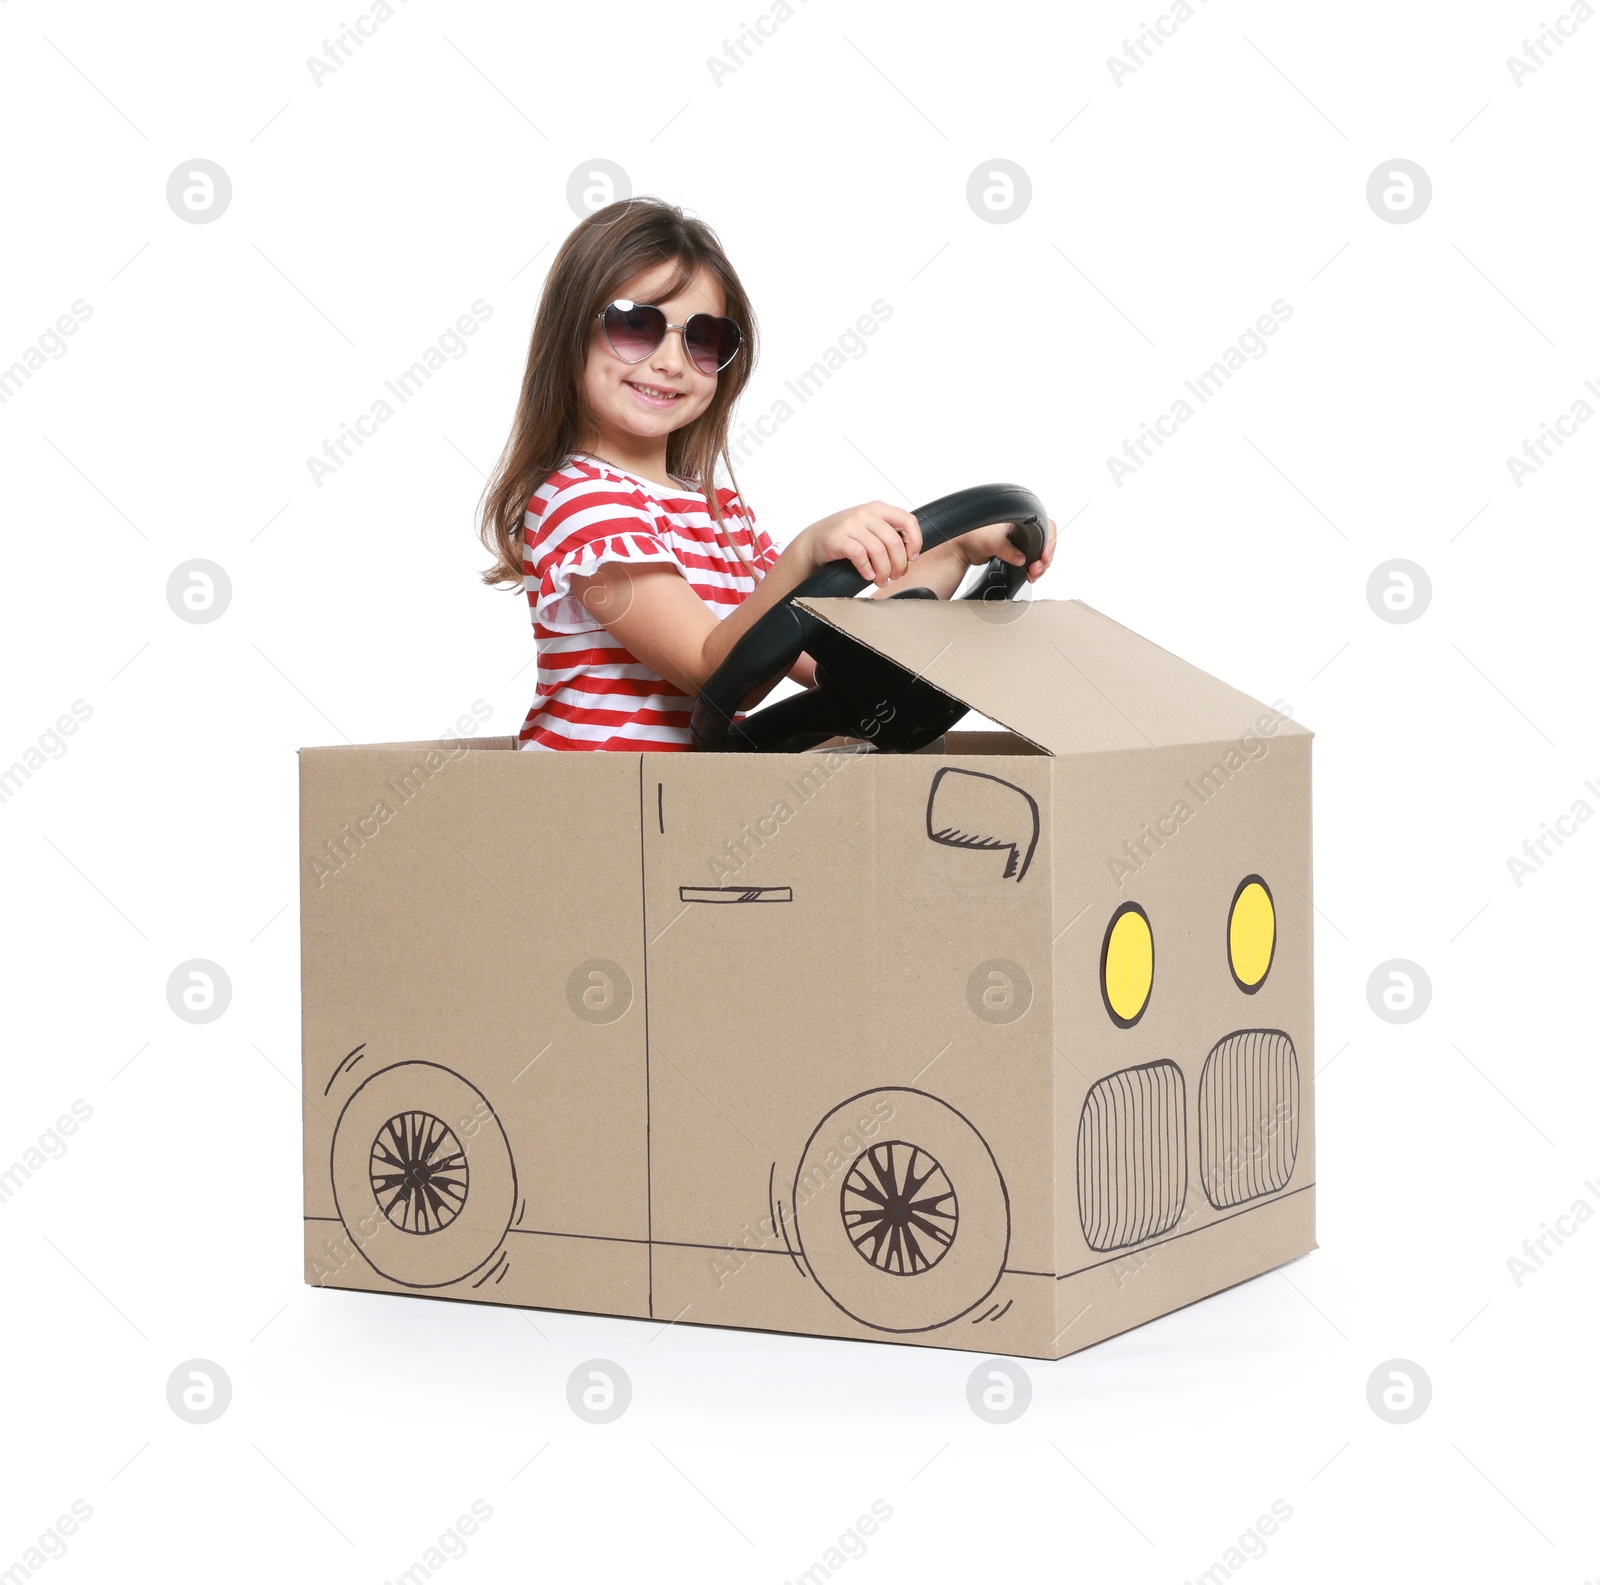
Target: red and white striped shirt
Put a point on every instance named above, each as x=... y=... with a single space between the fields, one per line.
x=593 y=693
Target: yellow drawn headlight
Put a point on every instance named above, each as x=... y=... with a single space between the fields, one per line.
x=1252 y=934
x=1127 y=965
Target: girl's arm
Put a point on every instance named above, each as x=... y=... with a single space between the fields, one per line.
x=654 y=613
x=943 y=567
x=660 y=619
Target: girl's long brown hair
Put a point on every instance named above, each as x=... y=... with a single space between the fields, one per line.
x=608 y=248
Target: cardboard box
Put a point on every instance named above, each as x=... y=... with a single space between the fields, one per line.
x=1005 y=1045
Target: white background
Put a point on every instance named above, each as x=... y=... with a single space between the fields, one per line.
x=1167 y=213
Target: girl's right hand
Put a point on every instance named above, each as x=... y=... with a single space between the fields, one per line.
x=877 y=539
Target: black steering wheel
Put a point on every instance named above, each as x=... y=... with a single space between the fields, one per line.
x=859 y=693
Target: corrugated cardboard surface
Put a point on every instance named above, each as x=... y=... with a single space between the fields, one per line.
x=1058 y=672
x=446 y=934
x=662 y=1029
x=1175 y=831
x=787 y=1037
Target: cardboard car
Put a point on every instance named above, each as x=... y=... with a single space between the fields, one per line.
x=1003 y=1044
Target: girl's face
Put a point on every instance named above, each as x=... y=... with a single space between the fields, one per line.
x=646 y=401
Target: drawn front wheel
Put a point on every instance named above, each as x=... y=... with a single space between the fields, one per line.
x=422 y=1175
x=906 y=1228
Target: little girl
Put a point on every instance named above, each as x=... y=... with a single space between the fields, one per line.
x=640 y=571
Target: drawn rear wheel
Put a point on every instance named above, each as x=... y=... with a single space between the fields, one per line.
x=422 y=1175
x=418 y=1172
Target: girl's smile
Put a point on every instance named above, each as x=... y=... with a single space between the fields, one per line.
x=654 y=395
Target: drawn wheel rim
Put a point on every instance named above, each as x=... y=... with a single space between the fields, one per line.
x=899 y=1208
x=419 y=1172
x=400 y=1111
x=848 y=1153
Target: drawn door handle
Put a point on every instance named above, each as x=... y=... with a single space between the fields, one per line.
x=736 y=894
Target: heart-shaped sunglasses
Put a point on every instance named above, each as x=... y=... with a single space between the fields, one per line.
x=634 y=330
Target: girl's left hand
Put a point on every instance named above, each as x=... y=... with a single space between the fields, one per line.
x=982 y=543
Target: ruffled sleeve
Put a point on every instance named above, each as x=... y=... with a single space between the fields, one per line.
x=766 y=553
x=582 y=529
x=755 y=541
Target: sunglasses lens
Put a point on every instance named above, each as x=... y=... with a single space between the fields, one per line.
x=711 y=341
x=635 y=331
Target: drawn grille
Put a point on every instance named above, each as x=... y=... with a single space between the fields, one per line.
x=1249 y=1116
x=1133 y=1163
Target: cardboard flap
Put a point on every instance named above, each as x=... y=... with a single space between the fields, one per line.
x=1056 y=672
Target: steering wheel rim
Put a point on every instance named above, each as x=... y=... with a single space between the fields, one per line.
x=853 y=672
